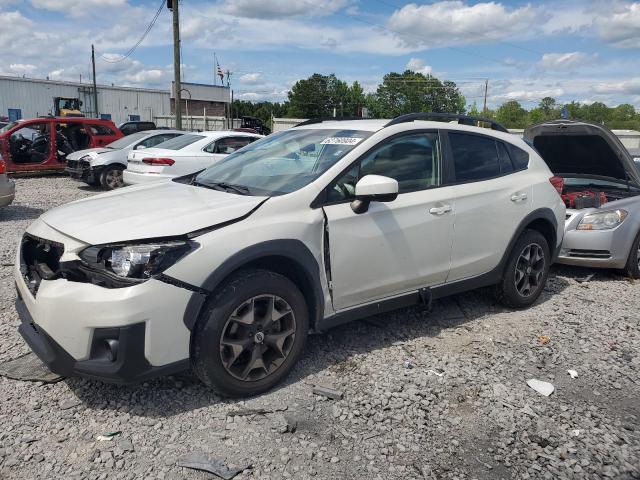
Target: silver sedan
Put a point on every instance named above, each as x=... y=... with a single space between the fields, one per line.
x=600 y=185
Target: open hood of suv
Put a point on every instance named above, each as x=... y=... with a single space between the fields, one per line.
x=148 y=211
x=582 y=148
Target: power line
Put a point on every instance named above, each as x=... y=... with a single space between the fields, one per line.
x=144 y=35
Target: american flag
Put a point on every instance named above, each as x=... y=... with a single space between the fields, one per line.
x=219 y=72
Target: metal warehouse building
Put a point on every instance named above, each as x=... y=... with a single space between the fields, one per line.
x=29 y=97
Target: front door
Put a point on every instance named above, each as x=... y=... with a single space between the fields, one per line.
x=398 y=246
x=31 y=147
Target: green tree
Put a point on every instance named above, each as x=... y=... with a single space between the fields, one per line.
x=409 y=92
x=317 y=96
x=512 y=115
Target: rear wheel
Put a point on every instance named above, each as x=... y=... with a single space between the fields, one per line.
x=251 y=333
x=526 y=271
x=632 y=268
x=111 y=177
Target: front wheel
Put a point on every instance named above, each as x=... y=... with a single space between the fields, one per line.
x=250 y=334
x=112 y=177
x=632 y=268
x=526 y=271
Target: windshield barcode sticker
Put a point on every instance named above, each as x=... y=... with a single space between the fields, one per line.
x=341 y=141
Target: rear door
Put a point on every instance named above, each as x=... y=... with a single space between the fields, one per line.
x=398 y=246
x=492 y=197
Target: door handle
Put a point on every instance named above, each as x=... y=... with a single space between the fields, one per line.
x=518 y=197
x=440 y=210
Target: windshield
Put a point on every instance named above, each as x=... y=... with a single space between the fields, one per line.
x=178 y=143
x=283 y=162
x=128 y=140
x=8 y=127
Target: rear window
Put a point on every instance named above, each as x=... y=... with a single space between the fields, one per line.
x=475 y=157
x=519 y=157
x=101 y=130
x=180 y=142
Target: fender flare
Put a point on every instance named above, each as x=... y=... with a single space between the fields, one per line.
x=294 y=250
x=545 y=214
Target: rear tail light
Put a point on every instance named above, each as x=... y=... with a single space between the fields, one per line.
x=158 y=161
x=558 y=184
x=3 y=166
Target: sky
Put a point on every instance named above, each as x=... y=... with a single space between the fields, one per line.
x=571 y=50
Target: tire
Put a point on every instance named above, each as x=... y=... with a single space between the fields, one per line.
x=226 y=341
x=522 y=268
x=111 y=177
x=632 y=268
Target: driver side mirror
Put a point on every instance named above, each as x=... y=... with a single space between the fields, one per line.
x=374 y=188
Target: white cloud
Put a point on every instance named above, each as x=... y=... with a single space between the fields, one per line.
x=564 y=61
x=78 y=8
x=281 y=8
x=626 y=87
x=417 y=65
x=454 y=22
x=622 y=27
x=250 y=78
x=22 y=68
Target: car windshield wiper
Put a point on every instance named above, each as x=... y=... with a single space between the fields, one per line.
x=225 y=187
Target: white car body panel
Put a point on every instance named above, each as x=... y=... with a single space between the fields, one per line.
x=411 y=247
x=147 y=211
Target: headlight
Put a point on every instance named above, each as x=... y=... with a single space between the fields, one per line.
x=602 y=220
x=136 y=261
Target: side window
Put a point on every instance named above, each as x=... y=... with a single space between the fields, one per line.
x=413 y=160
x=211 y=148
x=475 y=157
x=505 y=162
x=156 y=139
x=101 y=130
x=519 y=157
x=231 y=144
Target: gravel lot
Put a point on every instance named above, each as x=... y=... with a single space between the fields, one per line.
x=462 y=410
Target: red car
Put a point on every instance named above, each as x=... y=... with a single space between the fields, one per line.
x=44 y=143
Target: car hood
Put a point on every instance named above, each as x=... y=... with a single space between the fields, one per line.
x=582 y=148
x=91 y=152
x=162 y=209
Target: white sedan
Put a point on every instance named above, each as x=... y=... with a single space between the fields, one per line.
x=183 y=155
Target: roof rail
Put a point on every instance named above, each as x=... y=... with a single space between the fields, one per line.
x=447 y=117
x=327 y=119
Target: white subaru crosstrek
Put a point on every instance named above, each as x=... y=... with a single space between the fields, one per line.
x=228 y=269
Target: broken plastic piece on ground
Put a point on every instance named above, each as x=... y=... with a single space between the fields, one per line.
x=201 y=461
x=107 y=436
x=28 y=368
x=407 y=364
x=544 y=339
x=328 y=392
x=585 y=279
x=437 y=372
x=575 y=432
x=573 y=373
x=244 y=412
x=543 y=388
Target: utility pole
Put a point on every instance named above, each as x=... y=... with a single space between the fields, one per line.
x=177 y=87
x=95 y=88
x=486 y=88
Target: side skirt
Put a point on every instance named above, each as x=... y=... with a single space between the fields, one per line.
x=424 y=296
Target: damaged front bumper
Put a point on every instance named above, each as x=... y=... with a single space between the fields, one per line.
x=117 y=335
x=82 y=170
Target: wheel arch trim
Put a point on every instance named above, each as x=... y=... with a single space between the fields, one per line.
x=294 y=251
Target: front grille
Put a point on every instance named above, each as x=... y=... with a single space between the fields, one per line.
x=39 y=260
x=579 y=253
